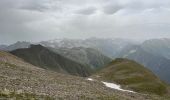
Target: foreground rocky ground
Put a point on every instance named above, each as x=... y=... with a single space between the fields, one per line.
x=20 y=80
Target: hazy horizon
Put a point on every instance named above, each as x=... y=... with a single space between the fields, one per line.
x=41 y=20
x=136 y=41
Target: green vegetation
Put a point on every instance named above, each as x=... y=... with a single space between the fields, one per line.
x=23 y=96
x=132 y=75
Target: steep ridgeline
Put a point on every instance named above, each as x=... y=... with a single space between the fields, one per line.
x=157 y=64
x=22 y=81
x=132 y=75
x=47 y=59
x=85 y=56
x=15 y=46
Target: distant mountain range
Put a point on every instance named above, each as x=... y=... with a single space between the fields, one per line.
x=154 y=53
x=109 y=47
x=15 y=46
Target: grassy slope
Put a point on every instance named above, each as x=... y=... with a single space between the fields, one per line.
x=133 y=76
x=5 y=95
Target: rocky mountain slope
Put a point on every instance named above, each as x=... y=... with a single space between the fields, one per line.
x=133 y=76
x=47 y=59
x=21 y=80
x=85 y=56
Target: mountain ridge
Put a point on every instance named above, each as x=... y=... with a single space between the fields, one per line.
x=45 y=58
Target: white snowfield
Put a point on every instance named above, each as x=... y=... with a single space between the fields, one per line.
x=112 y=85
x=115 y=86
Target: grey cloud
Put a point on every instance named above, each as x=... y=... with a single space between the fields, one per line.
x=47 y=19
x=35 y=5
x=111 y=8
x=146 y=4
x=86 y=11
x=8 y=4
x=35 y=8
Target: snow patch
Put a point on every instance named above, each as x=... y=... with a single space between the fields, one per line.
x=115 y=86
x=125 y=56
x=112 y=85
x=132 y=51
x=90 y=79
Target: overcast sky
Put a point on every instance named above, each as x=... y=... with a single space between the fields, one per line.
x=36 y=20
